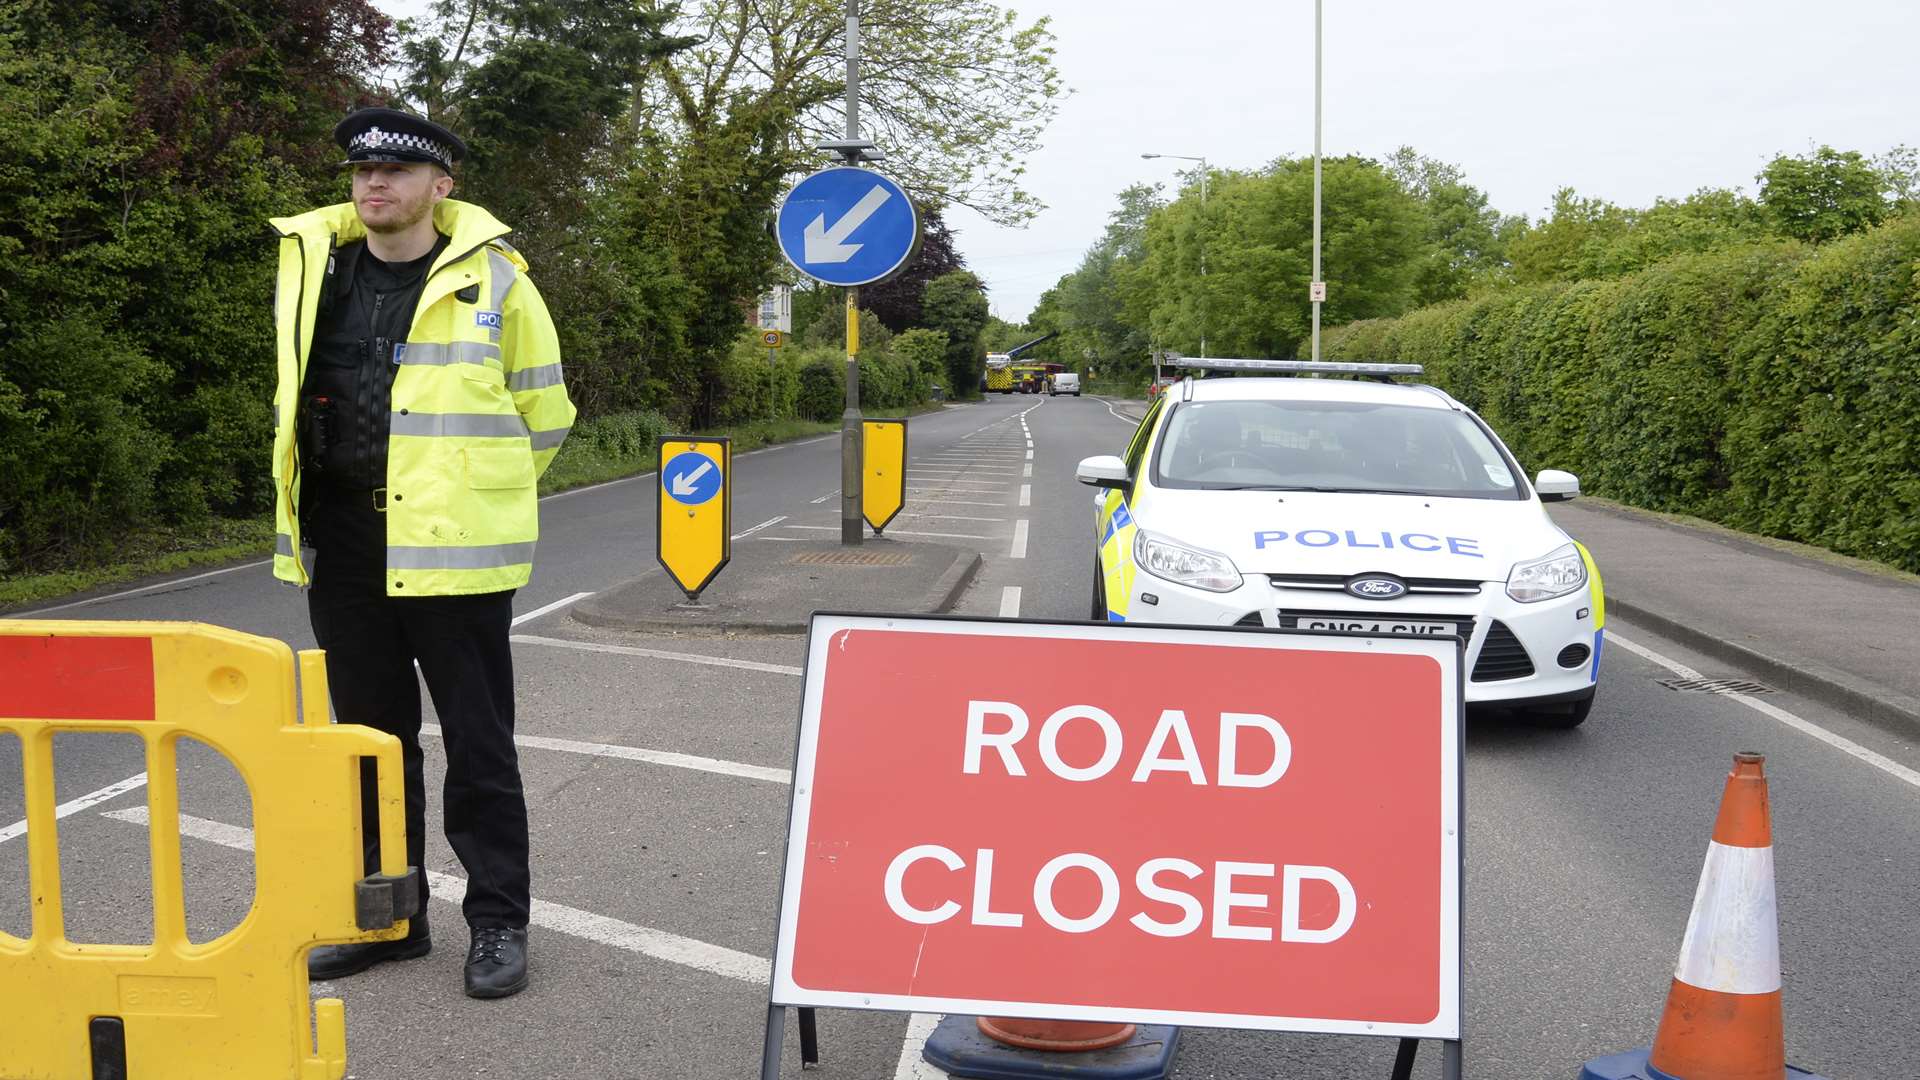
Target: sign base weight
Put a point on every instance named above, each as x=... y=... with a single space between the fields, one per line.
x=959 y=1048
x=1632 y=1065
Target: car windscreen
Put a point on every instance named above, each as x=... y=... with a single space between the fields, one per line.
x=1341 y=446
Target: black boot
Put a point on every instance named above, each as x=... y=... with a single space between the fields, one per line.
x=496 y=962
x=339 y=961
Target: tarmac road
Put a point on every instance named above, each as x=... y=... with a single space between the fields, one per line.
x=656 y=876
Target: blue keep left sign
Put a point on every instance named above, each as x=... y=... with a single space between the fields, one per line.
x=691 y=478
x=847 y=226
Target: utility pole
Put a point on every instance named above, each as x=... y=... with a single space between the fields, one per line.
x=852 y=532
x=1317 y=291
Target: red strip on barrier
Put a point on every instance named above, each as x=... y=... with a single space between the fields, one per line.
x=76 y=678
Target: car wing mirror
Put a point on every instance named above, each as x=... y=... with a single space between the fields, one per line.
x=1556 y=486
x=1105 y=471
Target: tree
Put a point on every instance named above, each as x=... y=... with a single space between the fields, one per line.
x=956 y=304
x=1466 y=238
x=1257 y=235
x=1822 y=195
x=897 y=299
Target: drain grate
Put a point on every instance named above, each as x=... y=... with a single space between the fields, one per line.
x=851 y=558
x=1717 y=686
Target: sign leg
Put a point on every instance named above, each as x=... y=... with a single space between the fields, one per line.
x=776 y=1034
x=809 y=1040
x=1403 y=1059
x=1450 y=1059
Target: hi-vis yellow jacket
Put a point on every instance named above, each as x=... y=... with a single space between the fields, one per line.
x=478 y=410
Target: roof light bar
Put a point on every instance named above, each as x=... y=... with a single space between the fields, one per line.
x=1322 y=367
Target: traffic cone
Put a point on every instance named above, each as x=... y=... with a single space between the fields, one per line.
x=1722 y=1020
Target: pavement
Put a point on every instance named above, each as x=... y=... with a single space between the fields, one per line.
x=1844 y=636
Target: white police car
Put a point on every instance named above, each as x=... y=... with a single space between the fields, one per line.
x=1348 y=506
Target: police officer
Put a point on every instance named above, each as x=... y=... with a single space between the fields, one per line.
x=419 y=398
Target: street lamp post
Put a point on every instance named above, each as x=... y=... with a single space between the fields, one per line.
x=1317 y=291
x=1203 y=239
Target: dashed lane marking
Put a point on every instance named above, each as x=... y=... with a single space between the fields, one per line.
x=1839 y=742
x=657 y=654
x=635 y=753
x=769 y=523
x=1010 y=602
x=1026 y=494
x=447 y=888
x=1019 y=540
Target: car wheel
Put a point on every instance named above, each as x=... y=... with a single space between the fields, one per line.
x=1099 y=594
x=1565 y=716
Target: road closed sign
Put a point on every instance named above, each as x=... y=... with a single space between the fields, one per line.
x=1114 y=822
x=695 y=519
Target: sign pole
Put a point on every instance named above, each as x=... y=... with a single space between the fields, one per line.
x=851 y=532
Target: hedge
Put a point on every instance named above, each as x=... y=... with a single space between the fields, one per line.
x=1772 y=388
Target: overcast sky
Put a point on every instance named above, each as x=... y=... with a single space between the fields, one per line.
x=1627 y=100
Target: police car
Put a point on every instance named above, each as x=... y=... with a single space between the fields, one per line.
x=1339 y=505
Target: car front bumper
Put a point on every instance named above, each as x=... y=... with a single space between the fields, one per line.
x=1516 y=653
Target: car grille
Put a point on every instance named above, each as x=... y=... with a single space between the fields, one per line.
x=1338 y=582
x=1573 y=656
x=1501 y=656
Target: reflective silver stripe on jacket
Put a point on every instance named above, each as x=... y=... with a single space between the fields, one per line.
x=471 y=425
x=479 y=557
x=535 y=378
x=547 y=440
x=283 y=545
x=439 y=353
x=504 y=273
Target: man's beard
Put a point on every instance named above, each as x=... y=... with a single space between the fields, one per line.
x=414 y=214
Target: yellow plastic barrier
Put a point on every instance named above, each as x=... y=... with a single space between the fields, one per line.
x=236 y=1007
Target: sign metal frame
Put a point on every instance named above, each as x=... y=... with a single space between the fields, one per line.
x=1448 y=1025
x=664 y=501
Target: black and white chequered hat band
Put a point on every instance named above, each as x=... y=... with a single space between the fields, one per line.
x=375 y=141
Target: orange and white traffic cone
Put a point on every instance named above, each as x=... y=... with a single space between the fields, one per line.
x=1722 y=1020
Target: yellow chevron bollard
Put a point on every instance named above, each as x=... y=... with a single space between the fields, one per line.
x=237 y=1007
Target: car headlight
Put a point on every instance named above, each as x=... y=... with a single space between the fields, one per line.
x=1558 y=574
x=1163 y=558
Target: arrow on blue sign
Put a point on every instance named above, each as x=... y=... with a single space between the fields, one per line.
x=847 y=226
x=691 y=478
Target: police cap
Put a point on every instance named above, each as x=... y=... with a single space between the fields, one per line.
x=392 y=135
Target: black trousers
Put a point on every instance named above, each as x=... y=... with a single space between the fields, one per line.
x=372 y=641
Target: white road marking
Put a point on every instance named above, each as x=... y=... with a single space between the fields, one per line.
x=959 y=468
x=1019 y=539
x=634 y=753
x=898 y=532
x=765 y=524
x=824 y=498
x=964 y=502
x=1123 y=419
x=912 y=1066
x=950 y=480
x=1010 y=602
x=1029 y=455
x=447 y=888
x=37 y=612
x=91 y=798
x=1839 y=742
x=1026 y=494
x=555 y=606
x=657 y=654
x=1028 y=471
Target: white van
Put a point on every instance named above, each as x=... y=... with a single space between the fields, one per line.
x=1065 y=382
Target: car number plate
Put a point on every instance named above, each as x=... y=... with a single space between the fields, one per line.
x=1378 y=626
